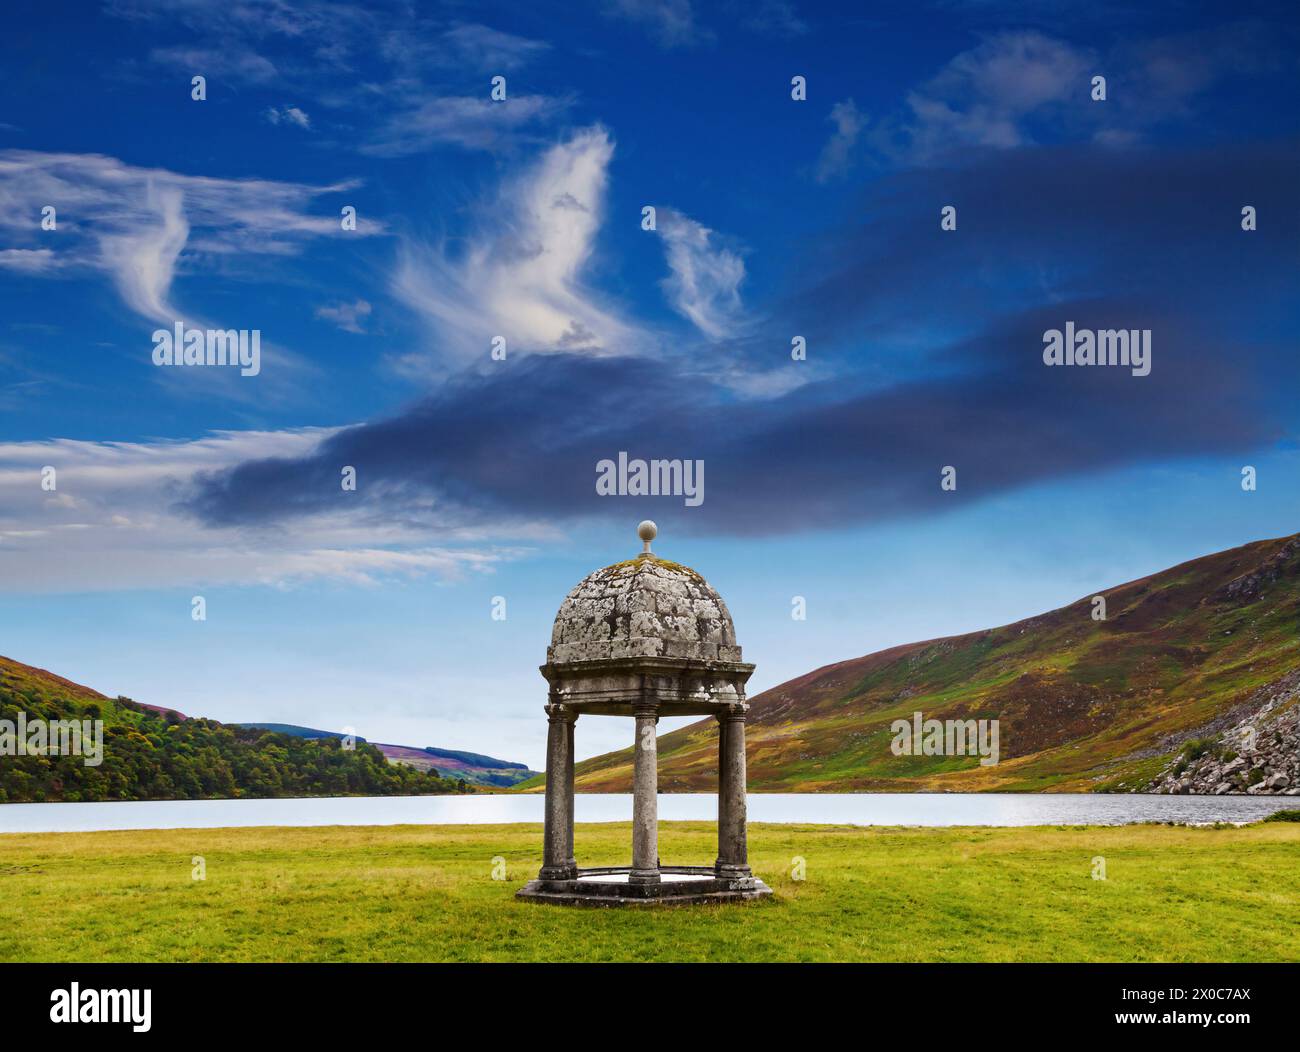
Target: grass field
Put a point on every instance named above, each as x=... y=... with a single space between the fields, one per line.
x=426 y=893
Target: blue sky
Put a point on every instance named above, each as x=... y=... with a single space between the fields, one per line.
x=522 y=219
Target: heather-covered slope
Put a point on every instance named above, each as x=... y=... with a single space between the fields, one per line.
x=474 y=768
x=471 y=767
x=1083 y=705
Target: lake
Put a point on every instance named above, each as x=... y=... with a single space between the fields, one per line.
x=865 y=809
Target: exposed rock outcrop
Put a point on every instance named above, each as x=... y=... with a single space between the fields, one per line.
x=1259 y=754
x=1249 y=585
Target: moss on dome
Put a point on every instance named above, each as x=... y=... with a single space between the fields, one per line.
x=632 y=565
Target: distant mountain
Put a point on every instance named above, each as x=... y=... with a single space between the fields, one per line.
x=473 y=767
x=296 y=731
x=152 y=753
x=1152 y=697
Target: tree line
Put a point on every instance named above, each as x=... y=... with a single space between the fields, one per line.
x=151 y=756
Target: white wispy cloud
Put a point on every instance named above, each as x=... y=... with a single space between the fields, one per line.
x=112 y=523
x=520 y=273
x=1017 y=88
x=239 y=64
x=325 y=37
x=29 y=260
x=143 y=261
x=467 y=45
x=141 y=228
x=837 y=155
x=987 y=96
x=470 y=122
x=670 y=23
x=347 y=316
x=704 y=280
x=314 y=24
x=288 y=115
x=413 y=95
x=774 y=17
x=135 y=224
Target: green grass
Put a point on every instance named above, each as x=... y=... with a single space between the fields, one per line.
x=426 y=893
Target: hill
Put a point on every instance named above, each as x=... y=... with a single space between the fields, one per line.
x=153 y=754
x=297 y=731
x=472 y=767
x=1183 y=659
x=475 y=768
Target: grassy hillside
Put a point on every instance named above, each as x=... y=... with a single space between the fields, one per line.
x=426 y=893
x=152 y=754
x=1083 y=705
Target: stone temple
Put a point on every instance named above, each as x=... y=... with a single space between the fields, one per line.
x=644 y=638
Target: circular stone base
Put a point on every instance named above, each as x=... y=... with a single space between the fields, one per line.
x=678 y=885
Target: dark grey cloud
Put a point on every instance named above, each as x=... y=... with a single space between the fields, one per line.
x=1104 y=238
x=1055 y=223
x=524 y=442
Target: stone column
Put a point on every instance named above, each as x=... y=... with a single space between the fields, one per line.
x=733 y=853
x=645 y=802
x=570 y=861
x=557 y=846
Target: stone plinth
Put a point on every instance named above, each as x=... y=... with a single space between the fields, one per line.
x=678 y=885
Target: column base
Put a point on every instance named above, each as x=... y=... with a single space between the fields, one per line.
x=643 y=876
x=731 y=870
x=569 y=872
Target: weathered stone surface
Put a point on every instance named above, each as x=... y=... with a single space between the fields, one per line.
x=733 y=854
x=645 y=607
x=645 y=802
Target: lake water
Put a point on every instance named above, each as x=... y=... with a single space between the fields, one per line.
x=865 y=809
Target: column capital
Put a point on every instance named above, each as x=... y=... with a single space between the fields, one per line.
x=734 y=711
x=644 y=712
x=558 y=712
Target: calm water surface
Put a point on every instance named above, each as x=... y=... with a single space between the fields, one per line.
x=866 y=809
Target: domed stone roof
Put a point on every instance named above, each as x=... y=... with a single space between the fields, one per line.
x=644 y=607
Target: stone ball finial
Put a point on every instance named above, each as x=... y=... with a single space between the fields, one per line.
x=647 y=531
